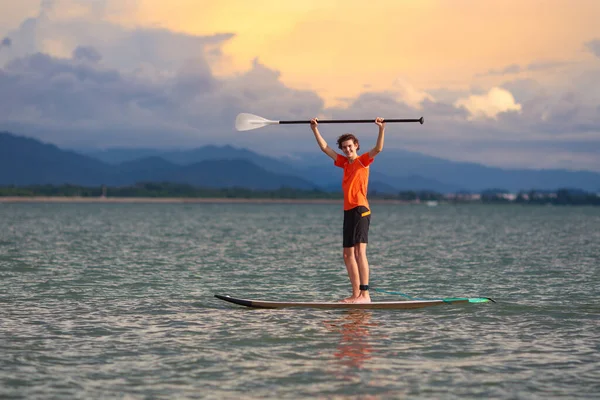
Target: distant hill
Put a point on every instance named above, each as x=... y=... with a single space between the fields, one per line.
x=477 y=177
x=186 y=157
x=25 y=161
x=235 y=173
x=119 y=155
x=404 y=169
x=315 y=167
x=147 y=169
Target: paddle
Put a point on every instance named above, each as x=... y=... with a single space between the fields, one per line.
x=246 y=122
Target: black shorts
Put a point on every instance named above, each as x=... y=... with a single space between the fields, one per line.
x=356 y=226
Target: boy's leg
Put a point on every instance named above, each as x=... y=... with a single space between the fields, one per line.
x=353 y=274
x=360 y=253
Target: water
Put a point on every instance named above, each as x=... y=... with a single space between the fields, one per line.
x=116 y=300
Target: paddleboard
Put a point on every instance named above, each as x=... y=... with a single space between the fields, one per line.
x=389 y=305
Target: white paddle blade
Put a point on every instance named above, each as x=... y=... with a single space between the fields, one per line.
x=246 y=122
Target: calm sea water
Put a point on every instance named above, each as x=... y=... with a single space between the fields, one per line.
x=116 y=301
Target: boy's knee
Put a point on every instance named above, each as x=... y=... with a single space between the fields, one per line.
x=348 y=253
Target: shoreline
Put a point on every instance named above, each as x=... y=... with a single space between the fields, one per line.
x=178 y=200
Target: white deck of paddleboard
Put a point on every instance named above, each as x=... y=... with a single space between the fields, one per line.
x=408 y=304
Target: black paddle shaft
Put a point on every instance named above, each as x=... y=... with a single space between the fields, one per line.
x=353 y=121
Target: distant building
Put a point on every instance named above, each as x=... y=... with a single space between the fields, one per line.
x=509 y=196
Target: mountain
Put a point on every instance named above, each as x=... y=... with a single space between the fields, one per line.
x=319 y=168
x=477 y=177
x=148 y=169
x=416 y=183
x=25 y=161
x=313 y=167
x=185 y=157
x=404 y=169
x=235 y=173
x=210 y=173
x=119 y=155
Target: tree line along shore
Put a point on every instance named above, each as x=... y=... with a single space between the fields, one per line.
x=184 y=192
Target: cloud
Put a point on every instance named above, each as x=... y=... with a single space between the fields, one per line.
x=86 y=53
x=409 y=94
x=82 y=101
x=62 y=26
x=546 y=65
x=77 y=80
x=510 y=69
x=594 y=47
x=489 y=105
x=6 y=42
x=514 y=69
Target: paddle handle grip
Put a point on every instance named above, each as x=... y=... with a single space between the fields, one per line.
x=354 y=121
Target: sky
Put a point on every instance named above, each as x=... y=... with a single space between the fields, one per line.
x=505 y=83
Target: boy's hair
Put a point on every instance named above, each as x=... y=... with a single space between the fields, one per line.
x=348 y=136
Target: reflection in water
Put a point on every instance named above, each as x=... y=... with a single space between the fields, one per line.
x=354 y=347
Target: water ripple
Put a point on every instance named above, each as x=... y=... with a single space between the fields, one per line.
x=117 y=301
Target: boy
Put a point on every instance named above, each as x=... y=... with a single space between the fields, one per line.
x=357 y=214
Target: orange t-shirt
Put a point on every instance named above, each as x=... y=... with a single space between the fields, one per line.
x=355 y=181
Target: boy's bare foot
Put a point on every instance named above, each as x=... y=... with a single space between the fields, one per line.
x=351 y=299
x=364 y=297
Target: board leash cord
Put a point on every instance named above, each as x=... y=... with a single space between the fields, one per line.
x=448 y=299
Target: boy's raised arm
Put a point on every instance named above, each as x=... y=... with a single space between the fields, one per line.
x=314 y=123
x=379 y=145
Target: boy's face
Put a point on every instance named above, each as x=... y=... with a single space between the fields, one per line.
x=349 y=148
